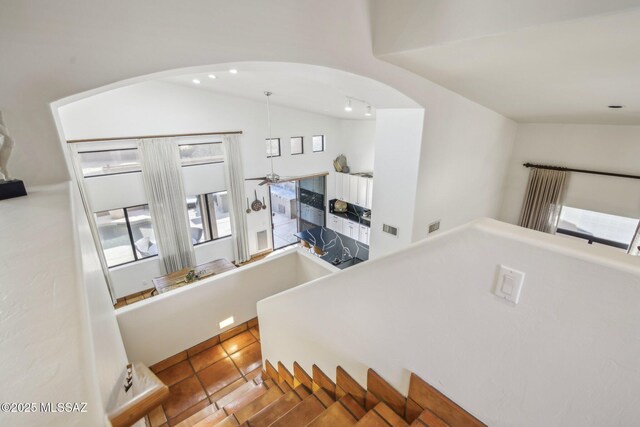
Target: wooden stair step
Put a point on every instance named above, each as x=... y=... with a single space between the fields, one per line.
x=379 y=390
x=428 y=397
x=428 y=419
x=389 y=415
x=301 y=414
x=243 y=399
x=275 y=410
x=210 y=413
x=211 y=420
x=256 y=405
x=372 y=419
x=352 y=406
x=335 y=415
x=248 y=387
x=230 y=421
x=324 y=398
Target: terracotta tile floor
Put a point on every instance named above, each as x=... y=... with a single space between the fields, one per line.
x=201 y=375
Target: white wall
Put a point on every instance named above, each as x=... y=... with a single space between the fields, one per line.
x=596 y=147
x=108 y=352
x=410 y=24
x=157 y=328
x=567 y=354
x=59 y=340
x=398 y=138
x=358 y=143
x=463 y=164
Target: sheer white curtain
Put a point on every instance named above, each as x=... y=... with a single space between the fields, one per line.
x=234 y=174
x=543 y=200
x=162 y=177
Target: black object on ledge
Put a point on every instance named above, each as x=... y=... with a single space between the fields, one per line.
x=11 y=189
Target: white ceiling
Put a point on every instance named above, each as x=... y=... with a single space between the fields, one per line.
x=305 y=87
x=564 y=72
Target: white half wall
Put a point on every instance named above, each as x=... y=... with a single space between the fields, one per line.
x=595 y=147
x=59 y=340
x=566 y=355
x=156 y=328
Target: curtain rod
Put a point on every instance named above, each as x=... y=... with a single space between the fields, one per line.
x=121 y=138
x=560 y=168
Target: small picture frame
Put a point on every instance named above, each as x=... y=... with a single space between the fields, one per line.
x=297 y=145
x=273 y=147
x=317 y=143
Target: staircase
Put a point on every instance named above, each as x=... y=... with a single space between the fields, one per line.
x=280 y=398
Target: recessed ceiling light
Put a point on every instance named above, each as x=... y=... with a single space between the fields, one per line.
x=348 y=106
x=233 y=71
x=196 y=81
x=212 y=76
x=368 y=113
x=616 y=106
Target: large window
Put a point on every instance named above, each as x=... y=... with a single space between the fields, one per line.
x=201 y=153
x=126 y=234
x=108 y=162
x=209 y=217
x=597 y=227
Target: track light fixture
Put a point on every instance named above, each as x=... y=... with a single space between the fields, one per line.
x=348 y=106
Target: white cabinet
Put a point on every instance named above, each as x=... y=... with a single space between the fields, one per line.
x=364 y=234
x=361 y=199
x=345 y=187
x=354 y=180
x=351 y=229
x=334 y=223
x=339 y=190
x=369 y=193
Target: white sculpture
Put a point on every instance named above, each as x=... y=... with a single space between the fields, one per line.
x=6 y=145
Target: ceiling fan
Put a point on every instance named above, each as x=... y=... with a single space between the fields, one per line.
x=273 y=178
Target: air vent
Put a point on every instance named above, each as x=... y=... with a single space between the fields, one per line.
x=434 y=226
x=263 y=240
x=390 y=229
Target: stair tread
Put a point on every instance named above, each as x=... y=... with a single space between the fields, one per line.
x=389 y=415
x=210 y=420
x=301 y=414
x=243 y=400
x=230 y=421
x=428 y=418
x=324 y=398
x=335 y=415
x=237 y=393
x=372 y=419
x=254 y=406
x=211 y=412
x=275 y=410
x=352 y=406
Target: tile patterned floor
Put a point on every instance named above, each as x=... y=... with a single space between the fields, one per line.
x=202 y=374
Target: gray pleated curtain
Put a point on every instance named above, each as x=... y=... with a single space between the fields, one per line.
x=162 y=177
x=543 y=200
x=234 y=175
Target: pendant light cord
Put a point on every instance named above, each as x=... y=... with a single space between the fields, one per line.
x=268 y=94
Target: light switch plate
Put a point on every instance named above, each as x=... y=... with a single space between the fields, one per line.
x=509 y=285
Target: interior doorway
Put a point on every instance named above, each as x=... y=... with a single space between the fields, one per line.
x=284 y=213
x=296 y=205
